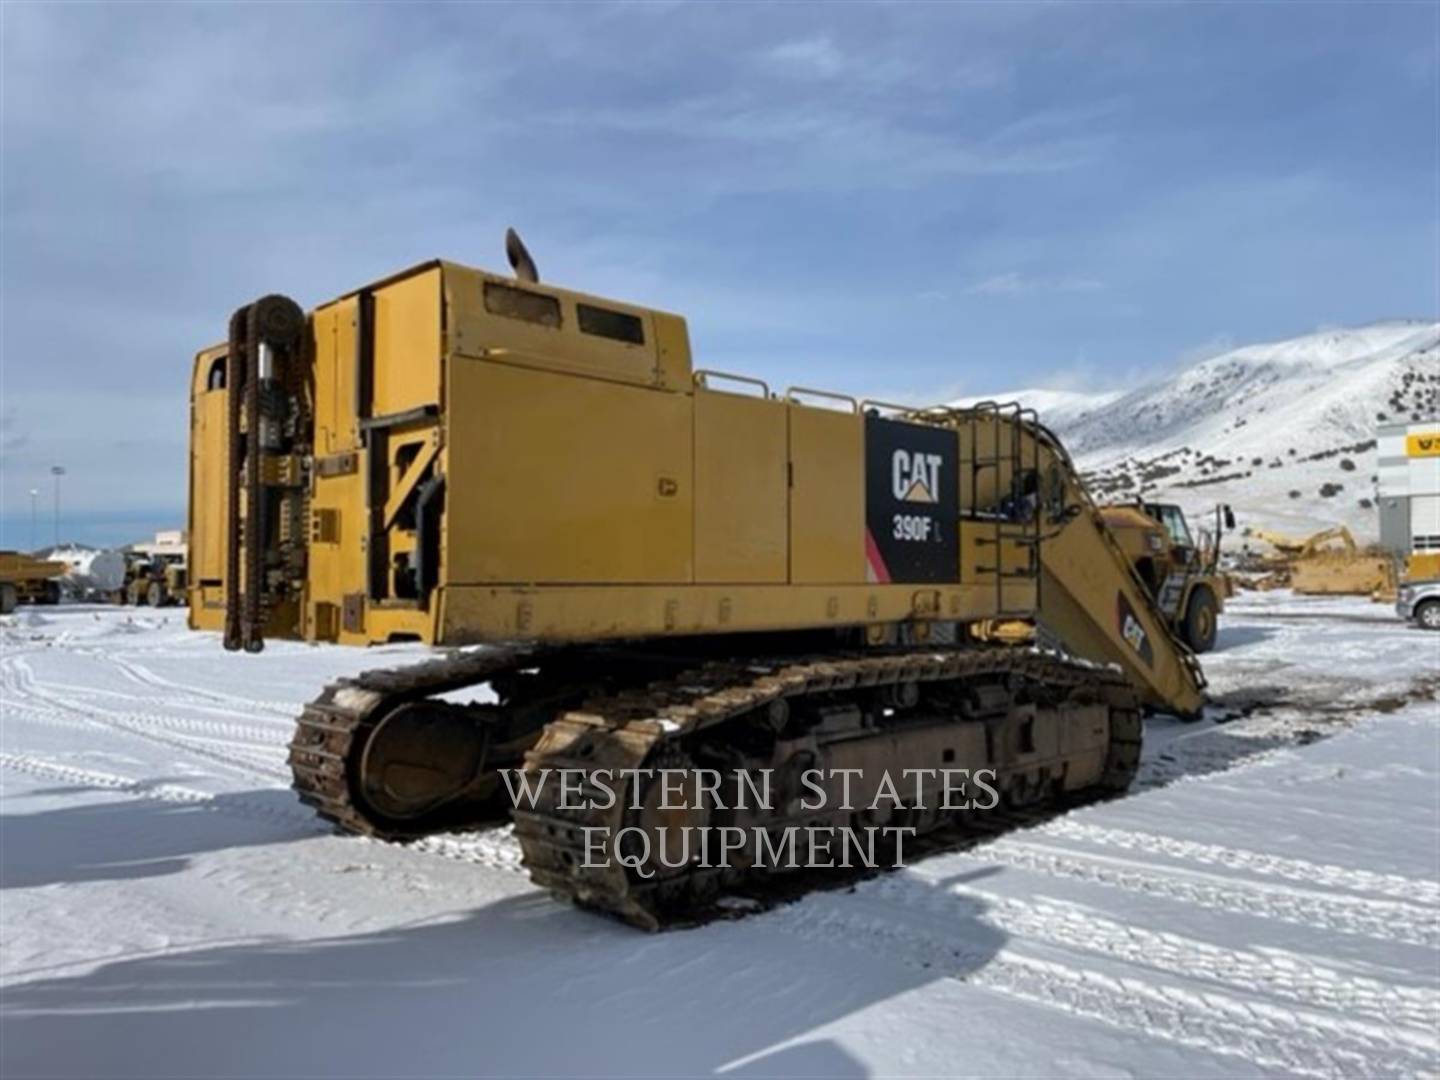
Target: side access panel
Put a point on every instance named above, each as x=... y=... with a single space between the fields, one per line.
x=827 y=497
x=209 y=450
x=557 y=478
x=337 y=507
x=741 y=495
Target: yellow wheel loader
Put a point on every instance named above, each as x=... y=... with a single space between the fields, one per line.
x=158 y=581
x=648 y=569
x=1181 y=571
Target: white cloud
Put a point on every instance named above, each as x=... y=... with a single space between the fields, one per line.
x=1013 y=282
x=814 y=56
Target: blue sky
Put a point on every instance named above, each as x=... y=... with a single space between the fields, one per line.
x=909 y=201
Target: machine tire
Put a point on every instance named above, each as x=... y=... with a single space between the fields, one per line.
x=50 y=594
x=1202 y=619
x=9 y=598
x=1427 y=614
x=155 y=595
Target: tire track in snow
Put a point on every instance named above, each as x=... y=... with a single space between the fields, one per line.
x=1263 y=1033
x=1342 y=877
x=137 y=672
x=234 y=805
x=83 y=700
x=1272 y=972
x=494 y=849
x=1388 y=920
x=154 y=727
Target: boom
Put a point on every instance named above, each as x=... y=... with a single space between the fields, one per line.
x=1090 y=599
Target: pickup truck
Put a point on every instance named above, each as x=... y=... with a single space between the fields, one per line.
x=1419 y=602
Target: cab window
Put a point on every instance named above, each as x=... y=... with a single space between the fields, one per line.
x=1174 y=522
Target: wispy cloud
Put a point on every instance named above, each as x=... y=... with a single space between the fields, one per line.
x=1013 y=282
x=812 y=56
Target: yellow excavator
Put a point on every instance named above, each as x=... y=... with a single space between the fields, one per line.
x=1330 y=562
x=661 y=568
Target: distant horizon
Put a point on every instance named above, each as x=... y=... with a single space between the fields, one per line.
x=96 y=529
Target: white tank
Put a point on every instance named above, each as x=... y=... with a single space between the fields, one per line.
x=101 y=571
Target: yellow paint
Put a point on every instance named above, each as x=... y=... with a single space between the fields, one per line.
x=577 y=613
x=407 y=344
x=1423 y=444
x=741 y=490
x=827 y=496
x=209 y=448
x=591 y=492
x=553 y=478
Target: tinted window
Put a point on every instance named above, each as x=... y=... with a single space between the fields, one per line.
x=618 y=325
x=215 y=380
x=1174 y=521
x=516 y=303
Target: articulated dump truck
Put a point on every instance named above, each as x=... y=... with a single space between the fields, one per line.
x=667 y=568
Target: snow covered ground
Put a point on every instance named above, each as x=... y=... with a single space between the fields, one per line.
x=1267 y=901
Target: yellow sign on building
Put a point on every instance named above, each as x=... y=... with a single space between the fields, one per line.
x=1425 y=444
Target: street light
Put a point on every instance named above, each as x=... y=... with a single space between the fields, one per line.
x=57 y=471
x=34 y=518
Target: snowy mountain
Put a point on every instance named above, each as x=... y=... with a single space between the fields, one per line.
x=1060 y=409
x=1285 y=431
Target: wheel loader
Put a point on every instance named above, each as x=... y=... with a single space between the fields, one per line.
x=158 y=583
x=645 y=567
x=1181 y=571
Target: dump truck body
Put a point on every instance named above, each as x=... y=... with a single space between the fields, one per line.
x=25 y=579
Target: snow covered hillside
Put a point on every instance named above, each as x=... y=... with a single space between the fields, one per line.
x=1267 y=901
x=1283 y=431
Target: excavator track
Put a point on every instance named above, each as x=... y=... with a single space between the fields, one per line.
x=332 y=733
x=665 y=726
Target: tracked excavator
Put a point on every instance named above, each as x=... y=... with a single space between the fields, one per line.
x=640 y=565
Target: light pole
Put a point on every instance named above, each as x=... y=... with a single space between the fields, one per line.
x=57 y=471
x=34 y=518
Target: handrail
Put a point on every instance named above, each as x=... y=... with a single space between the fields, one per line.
x=703 y=375
x=790 y=395
x=866 y=404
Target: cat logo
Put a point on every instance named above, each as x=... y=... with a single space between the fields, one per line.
x=1130 y=629
x=1425 y=445
x=915 y=477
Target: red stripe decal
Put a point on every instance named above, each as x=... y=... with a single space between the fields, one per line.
x=875 y=568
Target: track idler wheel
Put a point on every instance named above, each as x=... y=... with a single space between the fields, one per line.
x=426 y=758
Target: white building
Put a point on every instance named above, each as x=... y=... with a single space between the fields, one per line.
x=1409 y=486
x=169 y=545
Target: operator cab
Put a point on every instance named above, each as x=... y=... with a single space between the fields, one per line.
x=1173 y=518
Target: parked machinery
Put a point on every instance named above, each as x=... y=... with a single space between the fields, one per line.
x=673 y=567
x=1329 y=562
x=25 y=579
x=1181 y=571
x=157 y=583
